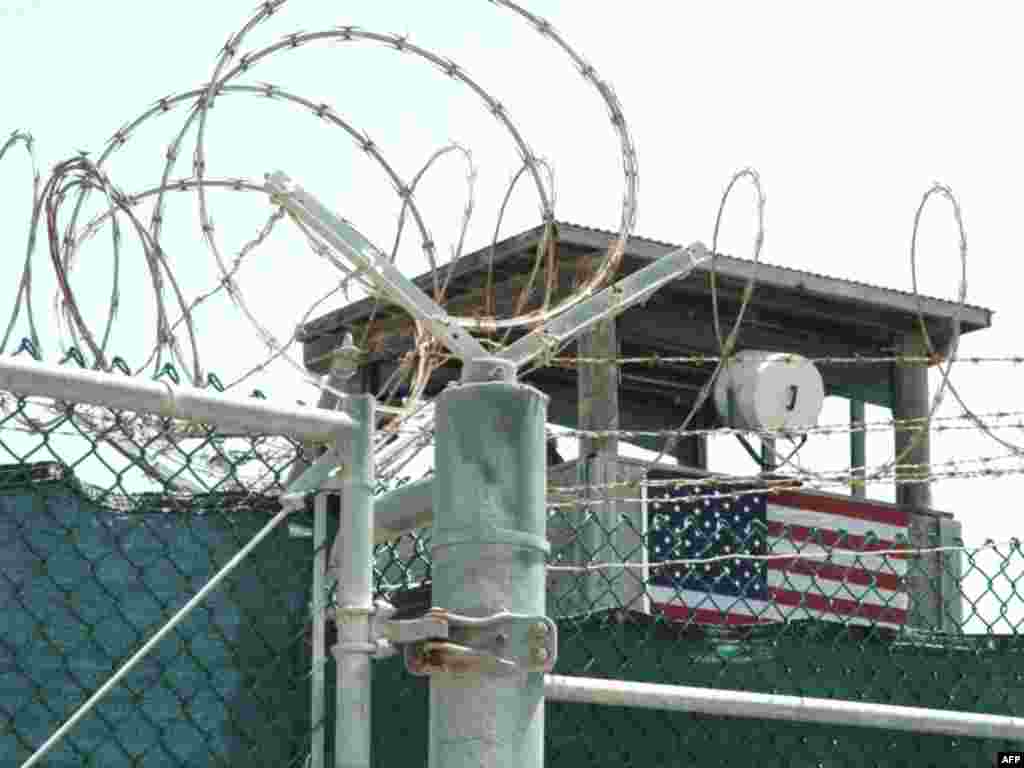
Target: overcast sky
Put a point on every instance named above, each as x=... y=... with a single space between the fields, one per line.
x=849 y=112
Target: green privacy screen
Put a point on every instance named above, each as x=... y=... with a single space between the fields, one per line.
x=981 y=674
x=82 y=584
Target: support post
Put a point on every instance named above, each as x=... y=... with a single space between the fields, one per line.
x=488 y=554
x=692 y=451
x=355 y=589
x=341 y=377
x=858 y=452
x=768 y=455
x=598 y=388
x=605 y=536
x=910 y=401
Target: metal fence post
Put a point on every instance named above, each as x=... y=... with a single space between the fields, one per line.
x=354 y=650
x=344 y=365
x=489 y=550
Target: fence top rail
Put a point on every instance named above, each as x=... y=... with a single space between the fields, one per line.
x=223 y=411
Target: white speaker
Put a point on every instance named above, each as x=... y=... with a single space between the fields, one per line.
x=770 y=391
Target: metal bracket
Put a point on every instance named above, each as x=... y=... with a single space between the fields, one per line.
x=502 y=644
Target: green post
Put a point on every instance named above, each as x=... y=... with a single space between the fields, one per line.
x=489 y=550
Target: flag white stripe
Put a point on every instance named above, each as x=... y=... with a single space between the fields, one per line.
x=814 y=553
x=696 y=600
x=831 y=522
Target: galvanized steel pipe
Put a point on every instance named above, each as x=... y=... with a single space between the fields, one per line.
x=488 y=555
x=227 y=412
x=678 y=698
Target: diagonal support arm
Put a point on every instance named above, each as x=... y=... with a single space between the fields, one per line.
x=360 y=251
x=610 y=302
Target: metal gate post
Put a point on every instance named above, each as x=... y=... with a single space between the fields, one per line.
x=355 y=648
x=489 y=549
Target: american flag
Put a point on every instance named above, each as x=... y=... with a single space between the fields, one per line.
x=848 y=586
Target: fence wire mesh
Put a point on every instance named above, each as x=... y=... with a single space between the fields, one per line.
x=861 y=613
x=97 y=553
x=666 y=578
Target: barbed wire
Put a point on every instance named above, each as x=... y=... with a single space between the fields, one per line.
x=725 y=347
x=77 y=179
x=1012 y=544
x=899 y=474
x=938 y=424
x=24 y=139
x=74 y=181
x=113 y=426
x=830 y=552
x=655 y=359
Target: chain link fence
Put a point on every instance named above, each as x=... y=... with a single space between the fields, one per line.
x=655 y=589
x=109 y=523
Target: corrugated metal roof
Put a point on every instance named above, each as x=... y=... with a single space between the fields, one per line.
x=831 y=288
x=664 y=244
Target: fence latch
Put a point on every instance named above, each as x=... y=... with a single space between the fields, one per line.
x=500 y=644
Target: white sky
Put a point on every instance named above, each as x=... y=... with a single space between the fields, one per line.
x=848 y=112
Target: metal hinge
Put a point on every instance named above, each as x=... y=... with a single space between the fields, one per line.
x=440 y=641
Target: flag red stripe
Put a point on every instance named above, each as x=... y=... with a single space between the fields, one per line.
x=847 y=541
x=842 y=573
x=860 y=510
x=838 y=606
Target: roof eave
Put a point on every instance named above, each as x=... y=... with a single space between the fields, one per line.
x=792 y=279
x=971 y=317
